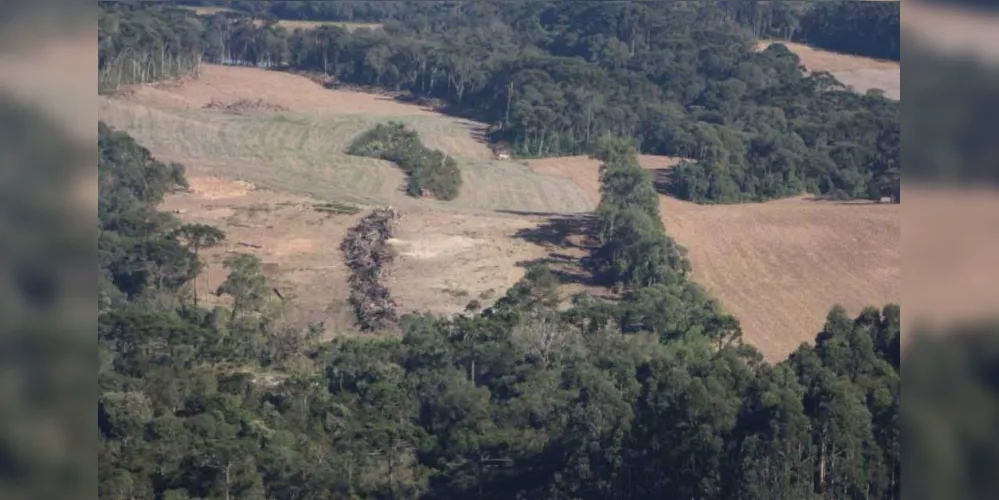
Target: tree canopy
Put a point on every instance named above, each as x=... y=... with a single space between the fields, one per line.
x=679 y=78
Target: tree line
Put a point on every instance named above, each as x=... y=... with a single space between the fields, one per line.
x=636 y=398
x=682 y=79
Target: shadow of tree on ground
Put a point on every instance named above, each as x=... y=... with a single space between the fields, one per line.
x=563 y=231
x=570 y=240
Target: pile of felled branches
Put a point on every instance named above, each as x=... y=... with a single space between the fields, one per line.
x=368 y=255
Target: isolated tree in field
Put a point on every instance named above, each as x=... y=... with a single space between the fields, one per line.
x=245 y=283
x=199 y=236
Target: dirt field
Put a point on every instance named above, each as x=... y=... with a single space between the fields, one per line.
x=444 y=259
x=778 y=266
x=298 y=246
x=861 y=73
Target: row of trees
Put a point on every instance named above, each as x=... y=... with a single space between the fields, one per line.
x=681 y=78
x=628 y=399
x=430 y=171
x=140 y=48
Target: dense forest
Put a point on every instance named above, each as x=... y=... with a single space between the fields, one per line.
x=650 y=396
x=681 y=79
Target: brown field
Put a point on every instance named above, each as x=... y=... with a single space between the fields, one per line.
x=860 y=73
x=778 y=266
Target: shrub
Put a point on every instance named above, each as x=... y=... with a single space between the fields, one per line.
x=430 y=171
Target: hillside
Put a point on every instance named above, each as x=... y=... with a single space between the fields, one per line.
x=755 y=258
x=308 y=140
x=316 y=293
x=775 y=265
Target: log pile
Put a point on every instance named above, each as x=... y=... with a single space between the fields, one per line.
x=368 y=255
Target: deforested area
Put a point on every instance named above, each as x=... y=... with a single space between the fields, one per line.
x=368 y=255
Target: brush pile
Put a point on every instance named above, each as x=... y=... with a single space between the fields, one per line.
x=244 y=106
x=368 y=255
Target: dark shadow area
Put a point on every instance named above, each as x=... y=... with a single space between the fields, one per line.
x=560 y=230
x=573 y=271
x=528 y=213
x=569 y=232
x=661 y=181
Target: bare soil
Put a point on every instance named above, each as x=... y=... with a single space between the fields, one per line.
x=297 y=245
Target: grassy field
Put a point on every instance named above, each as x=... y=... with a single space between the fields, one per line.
x=302 y=150
x=860 y=73
x=778 y=266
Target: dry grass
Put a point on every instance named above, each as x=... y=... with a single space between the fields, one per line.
x=778 y=266
x=299 y=247
x=584 y=171
x=860 y=73
x=308 y=142
x=445 y=260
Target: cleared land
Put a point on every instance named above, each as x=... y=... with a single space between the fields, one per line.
x=444 y=261
x=778 y=266
x=860 y=73
x=301 y=150
x=298 y=245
